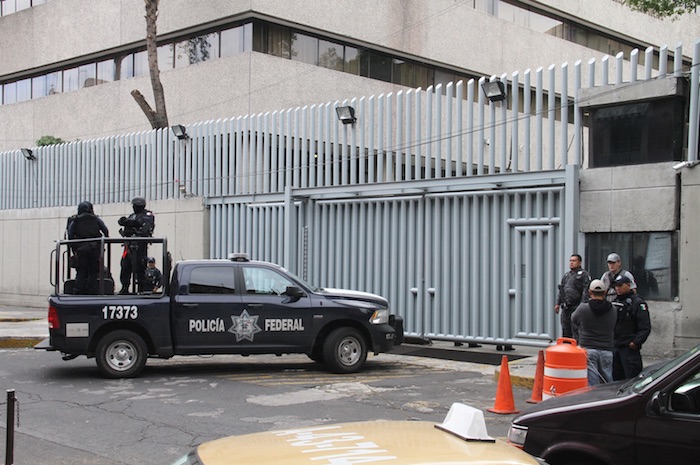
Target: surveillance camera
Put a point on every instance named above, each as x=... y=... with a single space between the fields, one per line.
x=680 y=166
x=183 y=189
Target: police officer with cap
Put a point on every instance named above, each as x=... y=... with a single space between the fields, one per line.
x=614 y=270
x=632 y=328
x=141 y=223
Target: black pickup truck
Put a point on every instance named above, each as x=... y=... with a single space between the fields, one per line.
x=234 y=306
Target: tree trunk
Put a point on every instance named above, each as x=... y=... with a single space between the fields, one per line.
x=159 y=117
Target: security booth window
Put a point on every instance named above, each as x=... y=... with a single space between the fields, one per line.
x=651 y=257
x=636 y=133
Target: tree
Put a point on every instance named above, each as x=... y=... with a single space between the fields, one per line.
x=48 y=140
x=664 y=8
x=159 y=117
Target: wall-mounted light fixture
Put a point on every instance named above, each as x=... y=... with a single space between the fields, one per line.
x=346 y=115
x=495 y=91
x=179 y=131
x=28 y=154
x=685 y=164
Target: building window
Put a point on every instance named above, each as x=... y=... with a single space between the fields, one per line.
x=651 y=257
x=236 y=40
x=330 y=55
x=304 y=48
x=636 y=133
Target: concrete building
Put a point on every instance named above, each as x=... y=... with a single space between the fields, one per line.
x=72 y=79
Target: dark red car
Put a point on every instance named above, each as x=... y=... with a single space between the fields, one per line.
x=651 y=419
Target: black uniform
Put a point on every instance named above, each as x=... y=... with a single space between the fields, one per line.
x=86 y=225
x=633 y=325
x=141 y=223
x=573 y=286
x=154 y=278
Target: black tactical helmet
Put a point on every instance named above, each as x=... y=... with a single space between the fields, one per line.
x=138 y=202
x=84 y=207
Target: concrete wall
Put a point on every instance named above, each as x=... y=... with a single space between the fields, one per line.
x=28 y=237
x=687 y=319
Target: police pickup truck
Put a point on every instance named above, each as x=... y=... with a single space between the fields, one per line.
x=218 y=306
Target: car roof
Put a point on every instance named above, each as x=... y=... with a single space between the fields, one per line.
x=391 y=442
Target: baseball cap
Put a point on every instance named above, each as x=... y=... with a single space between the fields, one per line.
x=621 y=280
x=597 y=286
x=613 y=257
x=151 y=260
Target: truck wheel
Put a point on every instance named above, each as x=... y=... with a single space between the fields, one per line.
x=344 y=350
x=121 y=354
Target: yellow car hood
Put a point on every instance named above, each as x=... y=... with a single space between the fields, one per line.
x=385 y=442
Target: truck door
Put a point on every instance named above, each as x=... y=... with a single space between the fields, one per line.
x=283 y=321
x=204 y=310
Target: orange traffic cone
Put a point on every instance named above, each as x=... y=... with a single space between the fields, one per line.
x=539 y=380
x=504 y=392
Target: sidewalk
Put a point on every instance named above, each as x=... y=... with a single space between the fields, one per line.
x=24 y=327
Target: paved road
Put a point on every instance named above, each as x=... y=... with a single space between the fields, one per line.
x=69 y=415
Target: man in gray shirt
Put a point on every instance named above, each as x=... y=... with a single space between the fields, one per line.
x=593 y=325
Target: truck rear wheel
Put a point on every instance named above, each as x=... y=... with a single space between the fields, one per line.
x=121 y=354
x=344 y=350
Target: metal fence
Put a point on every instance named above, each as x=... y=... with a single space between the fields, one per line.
x=458 y=209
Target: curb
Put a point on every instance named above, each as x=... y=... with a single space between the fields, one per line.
x=19 y=342
x=516 y=380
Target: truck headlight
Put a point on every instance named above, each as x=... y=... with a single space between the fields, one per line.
x=517 y=435
x=379 y=317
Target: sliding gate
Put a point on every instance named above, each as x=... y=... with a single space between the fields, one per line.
x=477 y=259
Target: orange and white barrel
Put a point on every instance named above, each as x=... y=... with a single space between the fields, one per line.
x=565 y=368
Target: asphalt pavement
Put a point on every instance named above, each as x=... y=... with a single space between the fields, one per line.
x=24 y=327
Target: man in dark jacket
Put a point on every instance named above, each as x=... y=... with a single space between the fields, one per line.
x=593 y=325
x=141 y=223
x=631 y=330
x=86 y=225
x=573 y=287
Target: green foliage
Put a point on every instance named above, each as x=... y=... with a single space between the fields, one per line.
x=663 y=8
x=49 y=140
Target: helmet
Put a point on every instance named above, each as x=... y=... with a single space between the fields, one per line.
x=84 y=207
x=138 y=202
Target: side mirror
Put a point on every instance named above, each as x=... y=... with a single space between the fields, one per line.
x=656 y=405
x=294 y=292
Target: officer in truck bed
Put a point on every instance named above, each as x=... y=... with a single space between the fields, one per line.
x=141 y=223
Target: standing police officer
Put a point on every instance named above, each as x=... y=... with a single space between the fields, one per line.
x=86 y=225
x=141 y=223
x=631 y=329
x=571 y=290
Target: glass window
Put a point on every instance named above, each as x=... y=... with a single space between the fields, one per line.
x=443 y=77
x=140 y=63
x=71 y=79
x=651 y=257
x=330 y=55
x=304 y=48
x=378 y=67
x=88 y=75
x=424 y=76
x=54 y=83
x=24 y=90
x=352 y=60
x=23 y=4
x=8 y=6
x=166 y=57
x=278 y=41
x=232 y=41
x=126 y=67
x=9 y=93
x=212 y=280
x=636 y=133
x=196 y=49
x=39 y=88
x=265 y=281
x=105 y=71
x=403 y=72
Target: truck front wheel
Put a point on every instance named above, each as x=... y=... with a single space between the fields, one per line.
x=345 y=350
x=121 y=354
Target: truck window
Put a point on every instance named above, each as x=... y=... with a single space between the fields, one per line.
x=212 y=280
x=264 y=281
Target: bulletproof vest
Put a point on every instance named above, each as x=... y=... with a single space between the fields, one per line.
x=86 y=225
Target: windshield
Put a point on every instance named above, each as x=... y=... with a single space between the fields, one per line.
x=647 y=377
x=301 y=281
